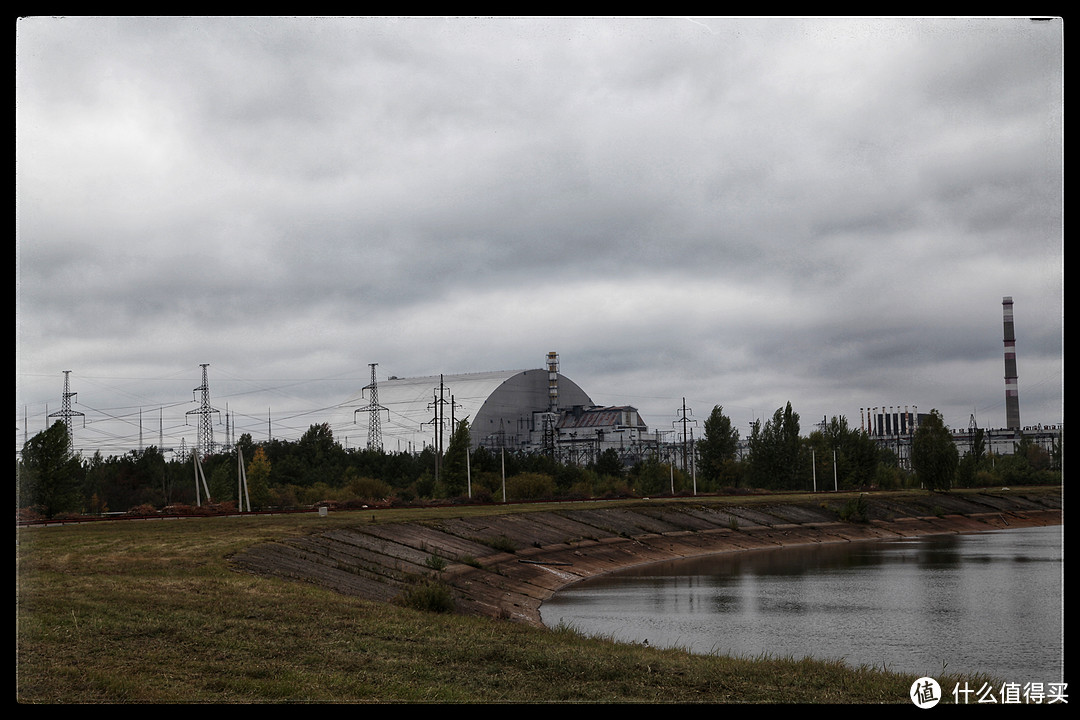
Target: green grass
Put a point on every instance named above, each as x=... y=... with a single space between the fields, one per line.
x=151 y=612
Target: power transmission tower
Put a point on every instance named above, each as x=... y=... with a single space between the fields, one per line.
x=66 y=413
x=374 y=435
x=684 y=419
x=204 y=444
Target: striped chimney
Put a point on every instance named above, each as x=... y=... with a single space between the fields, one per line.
x=1012 y=397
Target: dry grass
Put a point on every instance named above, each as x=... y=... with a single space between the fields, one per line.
x=150 y=612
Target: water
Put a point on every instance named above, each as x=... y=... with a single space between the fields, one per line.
x=988 y=603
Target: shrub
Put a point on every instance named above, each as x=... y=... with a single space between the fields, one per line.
x=31 y=514
x=500 y=543
x=426 y=595
x=854 y=510
x=482 y=495
x=367 y=488
x=530 y=486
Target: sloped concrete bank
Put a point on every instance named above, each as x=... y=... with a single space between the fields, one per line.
x=506 y=565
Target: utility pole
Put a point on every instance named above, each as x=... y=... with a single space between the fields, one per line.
x=684 y=419
x=442 y=413
x=439 y=419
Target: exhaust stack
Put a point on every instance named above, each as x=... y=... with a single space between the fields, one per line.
x=1012 y=397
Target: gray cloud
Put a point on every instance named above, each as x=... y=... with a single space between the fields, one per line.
x=738 y=211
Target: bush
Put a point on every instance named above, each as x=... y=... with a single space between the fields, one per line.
x=854 y=510
x=530 y=486
x=888 y=477
x=482 y=495
x=367 y=488
x=426 y=595
x=31 y=514
x=501 y=543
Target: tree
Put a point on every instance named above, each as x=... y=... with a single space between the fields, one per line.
x=52 y=475
x=610 y=464
x=318 y=457
x=246 y=445
x=651 y=477
x=934 y=456
x=776 y=452
x=258 y=478
x=222 y=478
x=717 y=449
x=974 y=461
x=453 y=473
x=856 y=455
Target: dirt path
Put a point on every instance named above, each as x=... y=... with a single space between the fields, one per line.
x=505 y=566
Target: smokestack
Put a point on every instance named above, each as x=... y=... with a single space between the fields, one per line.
x=1012 y=397
x=553 y=381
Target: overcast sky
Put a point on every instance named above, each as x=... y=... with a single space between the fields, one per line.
x=738 y=212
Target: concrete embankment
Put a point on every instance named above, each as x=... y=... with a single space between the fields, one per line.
x=505 y=565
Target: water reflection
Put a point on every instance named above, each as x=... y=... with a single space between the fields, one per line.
x=985 y=603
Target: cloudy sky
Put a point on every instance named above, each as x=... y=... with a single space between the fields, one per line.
x=738 y=212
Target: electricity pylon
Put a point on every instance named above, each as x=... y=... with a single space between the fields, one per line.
x=374 y=436
x=205 y=441
x=66 y=413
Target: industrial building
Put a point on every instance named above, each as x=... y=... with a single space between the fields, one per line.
x=894 y=428
x=537 y=410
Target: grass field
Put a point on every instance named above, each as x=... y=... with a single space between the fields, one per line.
x=150 y=612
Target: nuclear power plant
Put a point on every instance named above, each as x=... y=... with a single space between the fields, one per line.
x=536 y=410
x=541 y=410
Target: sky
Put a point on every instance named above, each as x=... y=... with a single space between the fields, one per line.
x=735 y=212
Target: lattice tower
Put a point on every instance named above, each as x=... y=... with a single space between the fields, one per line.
x=66 y=413
x=374 y=433
x=205 y=442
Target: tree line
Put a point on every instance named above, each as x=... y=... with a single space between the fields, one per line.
x=53 y=481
